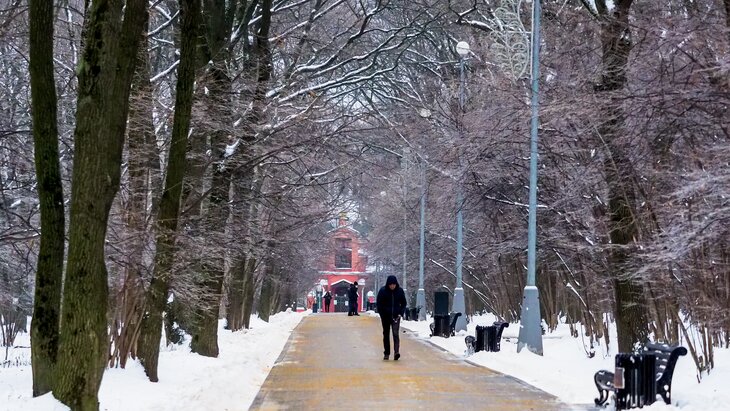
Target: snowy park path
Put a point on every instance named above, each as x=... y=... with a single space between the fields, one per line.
x=335 y=361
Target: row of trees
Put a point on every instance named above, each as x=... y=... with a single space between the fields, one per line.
x=228 y=174
x=202 y=147
x=633 y=170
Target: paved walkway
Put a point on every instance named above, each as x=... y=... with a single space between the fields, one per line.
x=333 y=361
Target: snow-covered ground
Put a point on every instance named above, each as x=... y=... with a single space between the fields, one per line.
x=187 y=381
x=565 y=370
x=230 y=382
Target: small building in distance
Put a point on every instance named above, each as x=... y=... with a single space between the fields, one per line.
x=343 y=264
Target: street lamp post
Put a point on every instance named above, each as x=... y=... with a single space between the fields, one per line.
x=459 y=305
x=404 y=285
x=421 y=295
x=530 y=332
x=318 y=297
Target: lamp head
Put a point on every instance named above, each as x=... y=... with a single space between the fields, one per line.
x=462 y=48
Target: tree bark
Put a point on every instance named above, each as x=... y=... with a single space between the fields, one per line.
x=249 y=290
x=267 y=285
x=205 y=332
x=104 y=75
x=218 y=29
x=249 y=283
x=631 y=320
x=130 y=299
x=276 y=296
x=726 y=3
x=242 y=188
x=169 y=211
x=262 y=53
x=234 y=309
x=49 y=274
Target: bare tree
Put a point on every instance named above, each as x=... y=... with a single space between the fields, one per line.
x=105 y=76
x=49 y=272
x=156 y=297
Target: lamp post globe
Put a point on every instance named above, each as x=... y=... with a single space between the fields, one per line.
x=462 y=48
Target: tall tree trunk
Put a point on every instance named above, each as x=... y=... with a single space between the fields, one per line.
x=243 y=187
x=218 y=31
x=242 y=286
x=169 y=211
x=267 y=285
x=262 y=54
x=49 y=274
x=631 y=320
x=726 y=3
x=249 y=290
x=205 y=333
x=242 y=272
x=234 y=308
x=104 y=75
x=276 y=296
x=249 y=279
x=130 y=299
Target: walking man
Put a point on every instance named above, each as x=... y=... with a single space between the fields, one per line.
x=327 y=299
x=391 y=302
x=352 y=297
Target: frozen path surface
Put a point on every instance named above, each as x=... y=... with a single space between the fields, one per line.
x=332 y=360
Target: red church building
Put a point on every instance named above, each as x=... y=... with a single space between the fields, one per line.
x=344 y=264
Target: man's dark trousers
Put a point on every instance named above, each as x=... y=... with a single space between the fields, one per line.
x=388 y=324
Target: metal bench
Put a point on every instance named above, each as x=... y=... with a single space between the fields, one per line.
x=639 y=377
x=444 y=326
x=487 y=338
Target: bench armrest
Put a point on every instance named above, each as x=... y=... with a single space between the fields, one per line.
x=604 y=383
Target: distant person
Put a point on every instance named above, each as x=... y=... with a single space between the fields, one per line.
x=371 y=300
x=352 y=297
x=327 y=299
x=391 y=304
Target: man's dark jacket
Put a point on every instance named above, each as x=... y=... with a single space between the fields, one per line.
x=391 y=303
x=352 y=293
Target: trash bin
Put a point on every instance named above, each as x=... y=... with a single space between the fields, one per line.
x=314 y=307
x=481 y=338
x=486 y=339
x=441 y=326
x=441 y=303
x=492 y=341
x=635 y=380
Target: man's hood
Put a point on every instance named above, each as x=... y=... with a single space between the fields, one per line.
x=392 y=280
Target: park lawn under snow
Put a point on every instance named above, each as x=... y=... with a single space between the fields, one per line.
x=565 y=370
x=187 y=381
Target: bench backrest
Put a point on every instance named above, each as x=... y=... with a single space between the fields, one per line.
x=666 y=358
x=500 y=327
x=441 y=303
x=454 y=317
